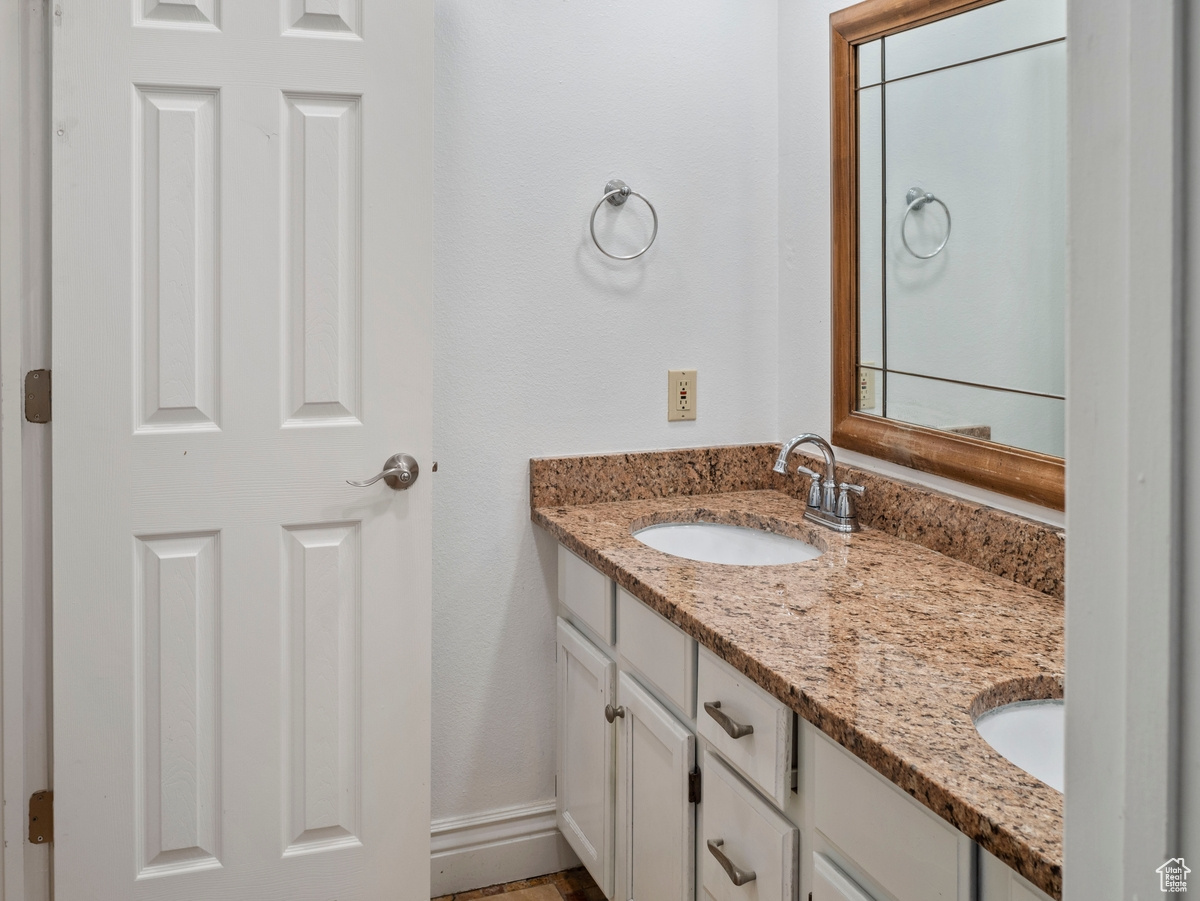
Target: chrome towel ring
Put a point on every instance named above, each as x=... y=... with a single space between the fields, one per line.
x=617 y=192
x=917 y=198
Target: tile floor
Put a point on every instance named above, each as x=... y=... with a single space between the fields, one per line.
x=569 y=885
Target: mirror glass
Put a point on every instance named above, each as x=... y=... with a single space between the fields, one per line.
x=962 y=224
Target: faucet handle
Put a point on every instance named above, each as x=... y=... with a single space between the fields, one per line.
x=845 y=502
x=814 y=487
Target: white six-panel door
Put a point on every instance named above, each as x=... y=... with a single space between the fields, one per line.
x=242 y=282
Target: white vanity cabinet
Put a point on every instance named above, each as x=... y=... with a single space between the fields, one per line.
x=648 y=722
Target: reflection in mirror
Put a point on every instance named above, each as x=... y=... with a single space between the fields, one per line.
x=962 y=224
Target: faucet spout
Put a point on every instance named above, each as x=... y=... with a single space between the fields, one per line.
x=828 y=492
x=808 y=438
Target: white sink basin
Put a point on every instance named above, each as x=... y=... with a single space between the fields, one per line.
x=1030 y=734
x=710 y=542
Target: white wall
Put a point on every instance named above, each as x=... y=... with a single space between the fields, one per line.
x=544 y=347
x=804 y=308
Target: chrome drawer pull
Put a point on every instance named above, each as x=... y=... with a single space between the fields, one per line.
x=736 y=874
x=735 y=730
x=611 y=712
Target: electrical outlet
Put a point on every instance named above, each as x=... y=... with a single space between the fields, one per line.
x=681 y=394
x=866 y=389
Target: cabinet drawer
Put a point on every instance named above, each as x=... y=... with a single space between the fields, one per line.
x=587 y=593
x=889 y=836
x=659 y=652
x=764 y=755
x=831 y=884
x=751 y=835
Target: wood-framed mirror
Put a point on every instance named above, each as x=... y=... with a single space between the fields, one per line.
x=948 y=343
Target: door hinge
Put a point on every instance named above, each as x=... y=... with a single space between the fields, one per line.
x=41 y=817
x=37 y=395
x=694 y=786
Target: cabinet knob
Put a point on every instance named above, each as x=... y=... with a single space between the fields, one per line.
x=611 y=712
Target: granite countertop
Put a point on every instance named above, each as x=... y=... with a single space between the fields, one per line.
x=884 y=645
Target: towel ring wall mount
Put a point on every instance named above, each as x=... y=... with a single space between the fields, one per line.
x=616 y=192
x=917 y=198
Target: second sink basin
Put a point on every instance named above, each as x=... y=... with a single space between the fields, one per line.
x=710 y=542
x=1030 y=734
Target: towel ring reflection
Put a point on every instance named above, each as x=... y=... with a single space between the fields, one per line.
x=617 y=192
x=917 y=198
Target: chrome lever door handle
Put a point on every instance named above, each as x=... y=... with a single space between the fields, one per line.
x=399 y=471
x=735 y=730
x=736 y=874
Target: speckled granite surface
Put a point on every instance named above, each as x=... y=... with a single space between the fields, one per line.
x=885 y=646
x=1027 y=552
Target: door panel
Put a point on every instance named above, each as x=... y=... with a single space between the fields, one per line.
x=656 y=848
x=321 y=616
x=178 y=706
x=242 y=281
x=320 y=216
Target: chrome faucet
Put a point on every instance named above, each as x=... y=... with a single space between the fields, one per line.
x=830 y=503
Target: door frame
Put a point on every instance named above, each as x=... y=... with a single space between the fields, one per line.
x=24 y=455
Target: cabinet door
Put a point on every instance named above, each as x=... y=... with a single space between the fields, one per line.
x=586 y=777
x=655 y=820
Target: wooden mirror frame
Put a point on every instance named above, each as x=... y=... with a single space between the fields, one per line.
x=1026 y=474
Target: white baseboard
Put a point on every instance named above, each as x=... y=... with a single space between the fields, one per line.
x=499 y=846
